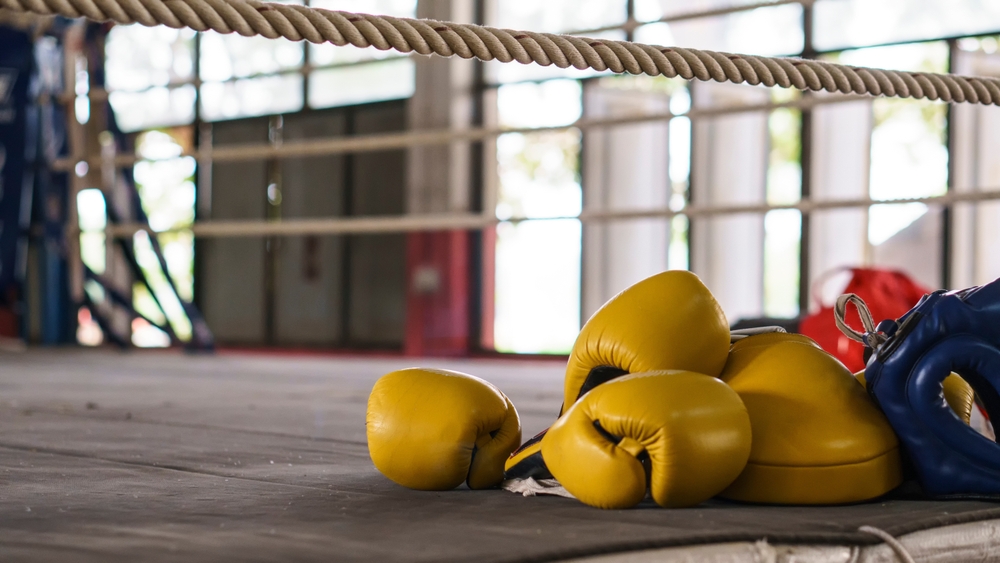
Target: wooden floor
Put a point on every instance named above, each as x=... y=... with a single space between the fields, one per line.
x=166 y=457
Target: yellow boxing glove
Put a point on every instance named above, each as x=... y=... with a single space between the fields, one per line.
x=957 y=393
x=432 y=429
x=666 y=321
x=817 y=437
x=691 y=429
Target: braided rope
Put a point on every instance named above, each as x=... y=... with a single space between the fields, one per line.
x=427 y=37
x=22 y=20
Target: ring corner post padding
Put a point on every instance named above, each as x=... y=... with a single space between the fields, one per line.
x=437 y=293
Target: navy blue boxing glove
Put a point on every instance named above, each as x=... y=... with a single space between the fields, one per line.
x=959 y=332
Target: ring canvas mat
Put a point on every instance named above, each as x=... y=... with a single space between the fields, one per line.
x=159 y=456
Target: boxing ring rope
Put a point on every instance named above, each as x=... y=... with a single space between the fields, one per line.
x=26 y=20
x=385 y=141
x=461 y=221
x=426 y=37
x=101 y=94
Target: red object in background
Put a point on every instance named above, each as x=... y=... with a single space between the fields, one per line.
x=437 y=302
x=888 y=294
x=8 y=323
x=9 y=320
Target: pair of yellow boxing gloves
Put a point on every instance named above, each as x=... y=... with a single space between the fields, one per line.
x=660 y=399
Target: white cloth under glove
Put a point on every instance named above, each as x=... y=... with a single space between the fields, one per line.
x=530 y=487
